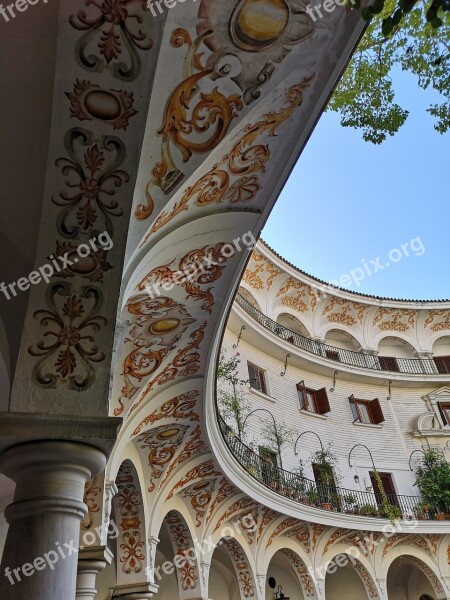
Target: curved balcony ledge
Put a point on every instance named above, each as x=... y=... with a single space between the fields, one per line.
x=361 y=363
x=334 y=506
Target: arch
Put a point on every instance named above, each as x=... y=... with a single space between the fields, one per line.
x=241 y=565
x=401 y=346
x=185 y=556
x=129 y=516
x=293 y=323
x=249 y=297
x=298 y=558
x=340 y=338
x=341 y=564
x=441 y=345
x=402 y=568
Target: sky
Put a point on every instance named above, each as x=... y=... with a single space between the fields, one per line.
x=351 y=208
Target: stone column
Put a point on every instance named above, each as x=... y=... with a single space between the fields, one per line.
x=41 y=550
x=90 y=562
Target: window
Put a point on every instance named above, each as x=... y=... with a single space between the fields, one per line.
x=388 y=363
x=269 y=466
x=314 y=401
x=442 y=364
x=268 y=456
x=257 y=378
x=444 y=409
x=388 y=486
x=366 y=411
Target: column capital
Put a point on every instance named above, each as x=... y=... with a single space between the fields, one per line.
x=17 y=428
x=137 y=591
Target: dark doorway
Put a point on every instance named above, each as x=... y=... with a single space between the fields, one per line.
x=388 y=485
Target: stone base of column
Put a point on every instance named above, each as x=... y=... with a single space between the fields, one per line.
x=137 y=591
x=90 y=562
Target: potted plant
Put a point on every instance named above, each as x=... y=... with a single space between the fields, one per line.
x=368 y=510
x=433 y=481
x=312 y=496
x=350 y=502
x=422 y=510
x=325 y=463
x=298 y=485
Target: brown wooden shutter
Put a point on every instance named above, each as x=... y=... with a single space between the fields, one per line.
x=388 y=363
x=302 y=396
x=252 y=375
x=323 y=406
x=376 y=412
x=442 y=364
x=443 y=416
x=355 y=413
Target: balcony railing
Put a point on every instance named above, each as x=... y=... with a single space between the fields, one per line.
x=416 y=366
x=308 y=492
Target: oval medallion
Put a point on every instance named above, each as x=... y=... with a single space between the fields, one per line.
x=102 y=105
x=257 y=24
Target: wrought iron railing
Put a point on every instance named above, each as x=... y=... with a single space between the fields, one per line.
x=416 y=366
x=311 y=493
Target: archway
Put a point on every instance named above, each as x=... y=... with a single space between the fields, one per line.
x=286 y=569
x=410 y=578
x=231 y=576
x=347 y=578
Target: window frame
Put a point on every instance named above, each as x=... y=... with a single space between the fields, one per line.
x=261 y=378
x=371 y=406
x=444 y=409
x=302 y=391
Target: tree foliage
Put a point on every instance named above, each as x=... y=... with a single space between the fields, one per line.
x=406 y=36
x=233 y=402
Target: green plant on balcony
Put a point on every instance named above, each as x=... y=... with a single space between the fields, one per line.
x=433 y=481
x=312 y=496
x=350 y=502
x=231 y=397
x=298 y=484
x=325 y=463
x=386 y=509
x=368 y=510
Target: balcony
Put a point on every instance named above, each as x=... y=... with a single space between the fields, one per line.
x=412 y=366
x=310 y=493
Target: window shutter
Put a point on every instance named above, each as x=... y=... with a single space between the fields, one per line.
x=442 y=364
x=388 y=363
x=356 y=417
x=302 y=395
x=252 y=375
x=323 y=406
x=377 y=413
x=443 y=416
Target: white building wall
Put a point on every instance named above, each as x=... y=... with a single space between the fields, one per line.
x=390 y=443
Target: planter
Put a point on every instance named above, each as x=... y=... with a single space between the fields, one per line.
x=326 y=506
x=440 y=516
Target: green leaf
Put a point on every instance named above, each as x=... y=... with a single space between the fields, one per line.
x=397 y=17
x=388 y=26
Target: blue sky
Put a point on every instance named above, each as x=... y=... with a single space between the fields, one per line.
x=349 y=201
